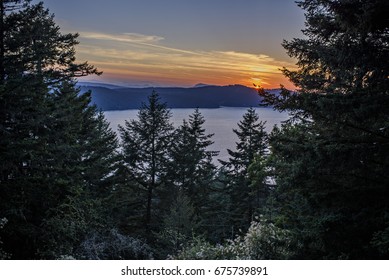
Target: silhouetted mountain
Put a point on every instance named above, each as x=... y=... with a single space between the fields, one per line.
x=175 y=97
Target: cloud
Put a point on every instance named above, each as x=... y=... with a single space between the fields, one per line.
x=143 y=56
x=132 y=38
x=124 y=37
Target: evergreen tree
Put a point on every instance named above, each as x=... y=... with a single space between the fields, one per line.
x=6 y=6
x=179 y=226
x=83 y=162
x=34 y=45
x=50 y=137
x=331 y=158
x=192 y=172
x=145 y=148
x=191 y=169
x=252 y=143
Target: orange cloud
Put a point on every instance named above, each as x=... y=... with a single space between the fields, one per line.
x=133 y=56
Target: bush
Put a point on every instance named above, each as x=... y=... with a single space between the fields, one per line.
x=113 y=245
x=380 y=241
x=263 y=240
x=3 y=255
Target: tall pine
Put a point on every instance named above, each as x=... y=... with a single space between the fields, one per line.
x=49 y=137
x=252 y=143
x=191 y=171
x=331 y=158
x=145 y=148
x=191 y=168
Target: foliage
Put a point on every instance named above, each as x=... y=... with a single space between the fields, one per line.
x=330 y=160
x=3 y=255
x=381 y=241
x=191 y=172
x=190 y=167
x=65 y=188
x=112 y=245
x=263 y=240
x=178 y=226
x=57 y=152
x=145 y=150
x=244 y=188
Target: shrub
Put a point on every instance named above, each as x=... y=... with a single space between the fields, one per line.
x=3 y=255
x=263 y=240
x=113 y=245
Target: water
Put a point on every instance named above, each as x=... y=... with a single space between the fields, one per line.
x=219 y=121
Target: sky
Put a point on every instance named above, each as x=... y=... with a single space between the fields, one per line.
x=183 y=42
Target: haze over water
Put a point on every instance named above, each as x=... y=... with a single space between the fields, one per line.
x=219 y=121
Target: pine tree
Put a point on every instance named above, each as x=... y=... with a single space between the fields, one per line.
x=6 y=7
x=34 y=45
x=252 y=144
x=145 y=148
x=83 y=163
x=178 y=227
x=331 y=158
x=50 y=138
x=191 y=169
x=252 y=141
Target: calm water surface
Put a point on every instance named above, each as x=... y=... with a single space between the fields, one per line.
x=219 y=121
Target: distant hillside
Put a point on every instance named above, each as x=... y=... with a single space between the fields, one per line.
x=202 y=97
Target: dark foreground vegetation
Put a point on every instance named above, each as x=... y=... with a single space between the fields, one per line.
x=315 y=188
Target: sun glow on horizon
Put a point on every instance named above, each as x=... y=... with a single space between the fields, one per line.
x=142 y=59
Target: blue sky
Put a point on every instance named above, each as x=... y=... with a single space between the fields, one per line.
x=182 y=42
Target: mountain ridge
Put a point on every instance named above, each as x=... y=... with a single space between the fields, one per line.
x=205 y=96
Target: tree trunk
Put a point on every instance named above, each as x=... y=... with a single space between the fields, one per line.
x=148 y=211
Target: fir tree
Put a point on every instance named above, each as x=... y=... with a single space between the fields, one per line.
x=50 y=137
x=191 y=169
x=145 y=148
x=252 y=143
x=83 y=163
x=331 y=158
x=179 y=226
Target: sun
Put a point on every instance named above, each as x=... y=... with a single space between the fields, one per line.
x=256 y=82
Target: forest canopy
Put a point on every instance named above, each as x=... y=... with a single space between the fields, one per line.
x=314 y=188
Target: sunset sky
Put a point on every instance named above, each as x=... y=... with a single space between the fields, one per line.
x=183 y=42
